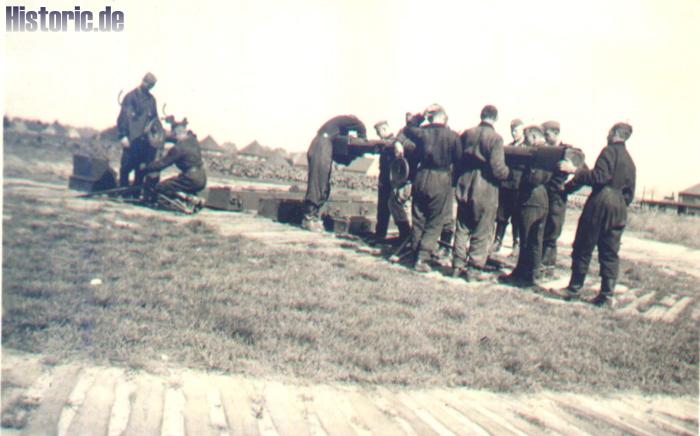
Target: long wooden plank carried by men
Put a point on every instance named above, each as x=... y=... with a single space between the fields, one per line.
x=542 y=157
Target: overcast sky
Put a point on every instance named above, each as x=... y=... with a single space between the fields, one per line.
x=276 y=70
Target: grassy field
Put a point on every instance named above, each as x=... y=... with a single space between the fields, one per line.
x=184 y=294
x=666 y=227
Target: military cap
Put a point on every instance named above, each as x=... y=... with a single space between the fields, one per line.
x=551 y=125
x=380 y=123
x=624 y=129
x=489 y=111
x=516 y=122
x=534 y=128
x=150 y=78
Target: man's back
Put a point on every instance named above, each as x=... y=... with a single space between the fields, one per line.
x=482 y=149
x=437 y=146
x=614 y=168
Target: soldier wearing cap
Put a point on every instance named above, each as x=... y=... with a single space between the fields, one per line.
x=137 y=115
x=391 y=200
x=437 y=148
x=508 y=194
x=479 y=172
x=533 y=204
x=604 y=215
x=320 y=158
x=187 y=157
x=557 y=196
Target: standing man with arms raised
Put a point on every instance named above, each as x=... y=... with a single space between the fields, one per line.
x=137 y=115
x=480 y=170
x=604 y=215
x=437 y=147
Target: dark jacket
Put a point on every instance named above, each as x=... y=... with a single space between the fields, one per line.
x=614 y=169
x=513 y=181
x=386 y=157
x=556 y=183
x=342 y=124
x=185 y=155
x=434 y=147
x=138 y=108
x=532 y=190
x=482 y=152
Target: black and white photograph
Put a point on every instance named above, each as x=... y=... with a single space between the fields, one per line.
x=350 y=217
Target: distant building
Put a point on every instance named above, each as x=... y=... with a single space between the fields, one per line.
x=300 y=160
x=690 y=196
x=58 y=129
x=50 y=130
x=230 y=148
x=688 y=202
x=35 y=126
x=210 y=147
x=19 y=126
x=255 y=151
x=277 y=159
x=73 y=133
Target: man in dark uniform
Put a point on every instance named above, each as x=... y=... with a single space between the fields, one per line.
x=386 y=157
x=508 y=195
x=480 y=170
x=604 y=215
x=186 y=156
x=437 y=148
x=138 y=113
x=533 y=204
x=557 y=199
x=391 y=201
x=320 y=158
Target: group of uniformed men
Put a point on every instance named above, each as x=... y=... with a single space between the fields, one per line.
x=471 y=169
x=443 y=167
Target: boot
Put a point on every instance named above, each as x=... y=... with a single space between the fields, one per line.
x=516 y=279
x=549 y=256
x=607 y=287
x=460 y=272
x=575 y=285
x=421 y=266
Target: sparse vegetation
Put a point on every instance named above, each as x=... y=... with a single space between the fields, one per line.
x=666 y=226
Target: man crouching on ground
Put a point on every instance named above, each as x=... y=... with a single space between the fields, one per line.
x=186 y=156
